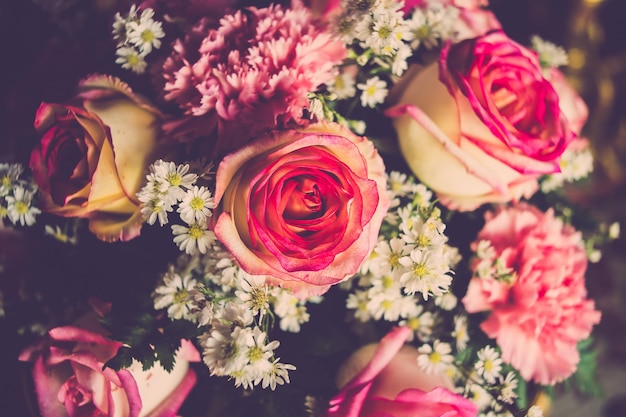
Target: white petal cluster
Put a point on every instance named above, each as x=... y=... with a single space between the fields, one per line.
x=17 y=196
x=169 y=185
x=137 y=35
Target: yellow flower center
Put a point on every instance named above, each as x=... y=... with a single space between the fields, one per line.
x=174 y=179
x=387 y=282
x=133 y=60
x=384 y=32
x=195 y=232
x=414 y=323
x=196 y=203
x=435 y=357
x=255 y=354
x=420 y=270
x=180 y=296
x=147 y=36
x=21 y=207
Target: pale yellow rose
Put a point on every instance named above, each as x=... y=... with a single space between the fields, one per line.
x=93 y=156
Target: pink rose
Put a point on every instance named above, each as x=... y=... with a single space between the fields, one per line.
x=384 y=380
x=93 y=156
x=303 y=207
x=71 y=380
x=541 y=311
x=572 y=105
x=483 y=124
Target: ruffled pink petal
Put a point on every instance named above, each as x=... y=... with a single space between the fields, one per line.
x=349 y=402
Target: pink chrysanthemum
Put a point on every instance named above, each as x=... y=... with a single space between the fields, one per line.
x=251 y=73
x=537 y=295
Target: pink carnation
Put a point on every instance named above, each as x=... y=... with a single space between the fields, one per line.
x=252 y=72
x=540 y=313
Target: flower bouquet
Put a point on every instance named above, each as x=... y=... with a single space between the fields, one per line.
x=341 y=208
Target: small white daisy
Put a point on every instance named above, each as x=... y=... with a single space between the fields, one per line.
x=196 y=205
x=421 y=323
x=460 y=332
x=389 y=253
x=225 y=353
x=343 y=85
x=358 y=301
x=435 y=358
x=19 y=206
x=194 y=238
x=374 y=92
x=129 y=58
x=145 y=34
x=489 y=364
x=550 y=55
x=278 y=375
x=254 y=294
x=9 y=174
x=173 y=295
x=289 y=309
x=508 y=387
x=426 y=274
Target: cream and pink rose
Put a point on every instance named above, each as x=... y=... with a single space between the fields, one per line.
x=302 y=207
x=93 y=156
x=539 y=313
x=384 y=380
x=482 y=124
x=71 y=380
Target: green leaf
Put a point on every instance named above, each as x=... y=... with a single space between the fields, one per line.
x=522 y=395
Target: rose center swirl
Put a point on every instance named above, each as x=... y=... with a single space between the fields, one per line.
x=305 y=201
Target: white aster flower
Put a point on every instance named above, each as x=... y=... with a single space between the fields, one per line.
x=374 y=92
x=259 y=355
x=550 y=55
x=224 y=353
x=489 y=364
x=479 y=396
x=129 y=58
x=254 y=293
x=289 y=309
x=388 y=255
x=9 y=175
x=146 y=33
x=425 y=274
x=236 y=313
x=421 y=322
x=343 y=85
x=358 y=301
x=173 y=295
x=120 y=25
x=446 y=301
x=508 y=387
x=196 y=205
x=194 y=238
x=398 y=184
x=173 y=179
x=460 y=332
x=19 y=206
x=386 y=302
x=435 y=358
x=277 y=375
x=386 y=32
